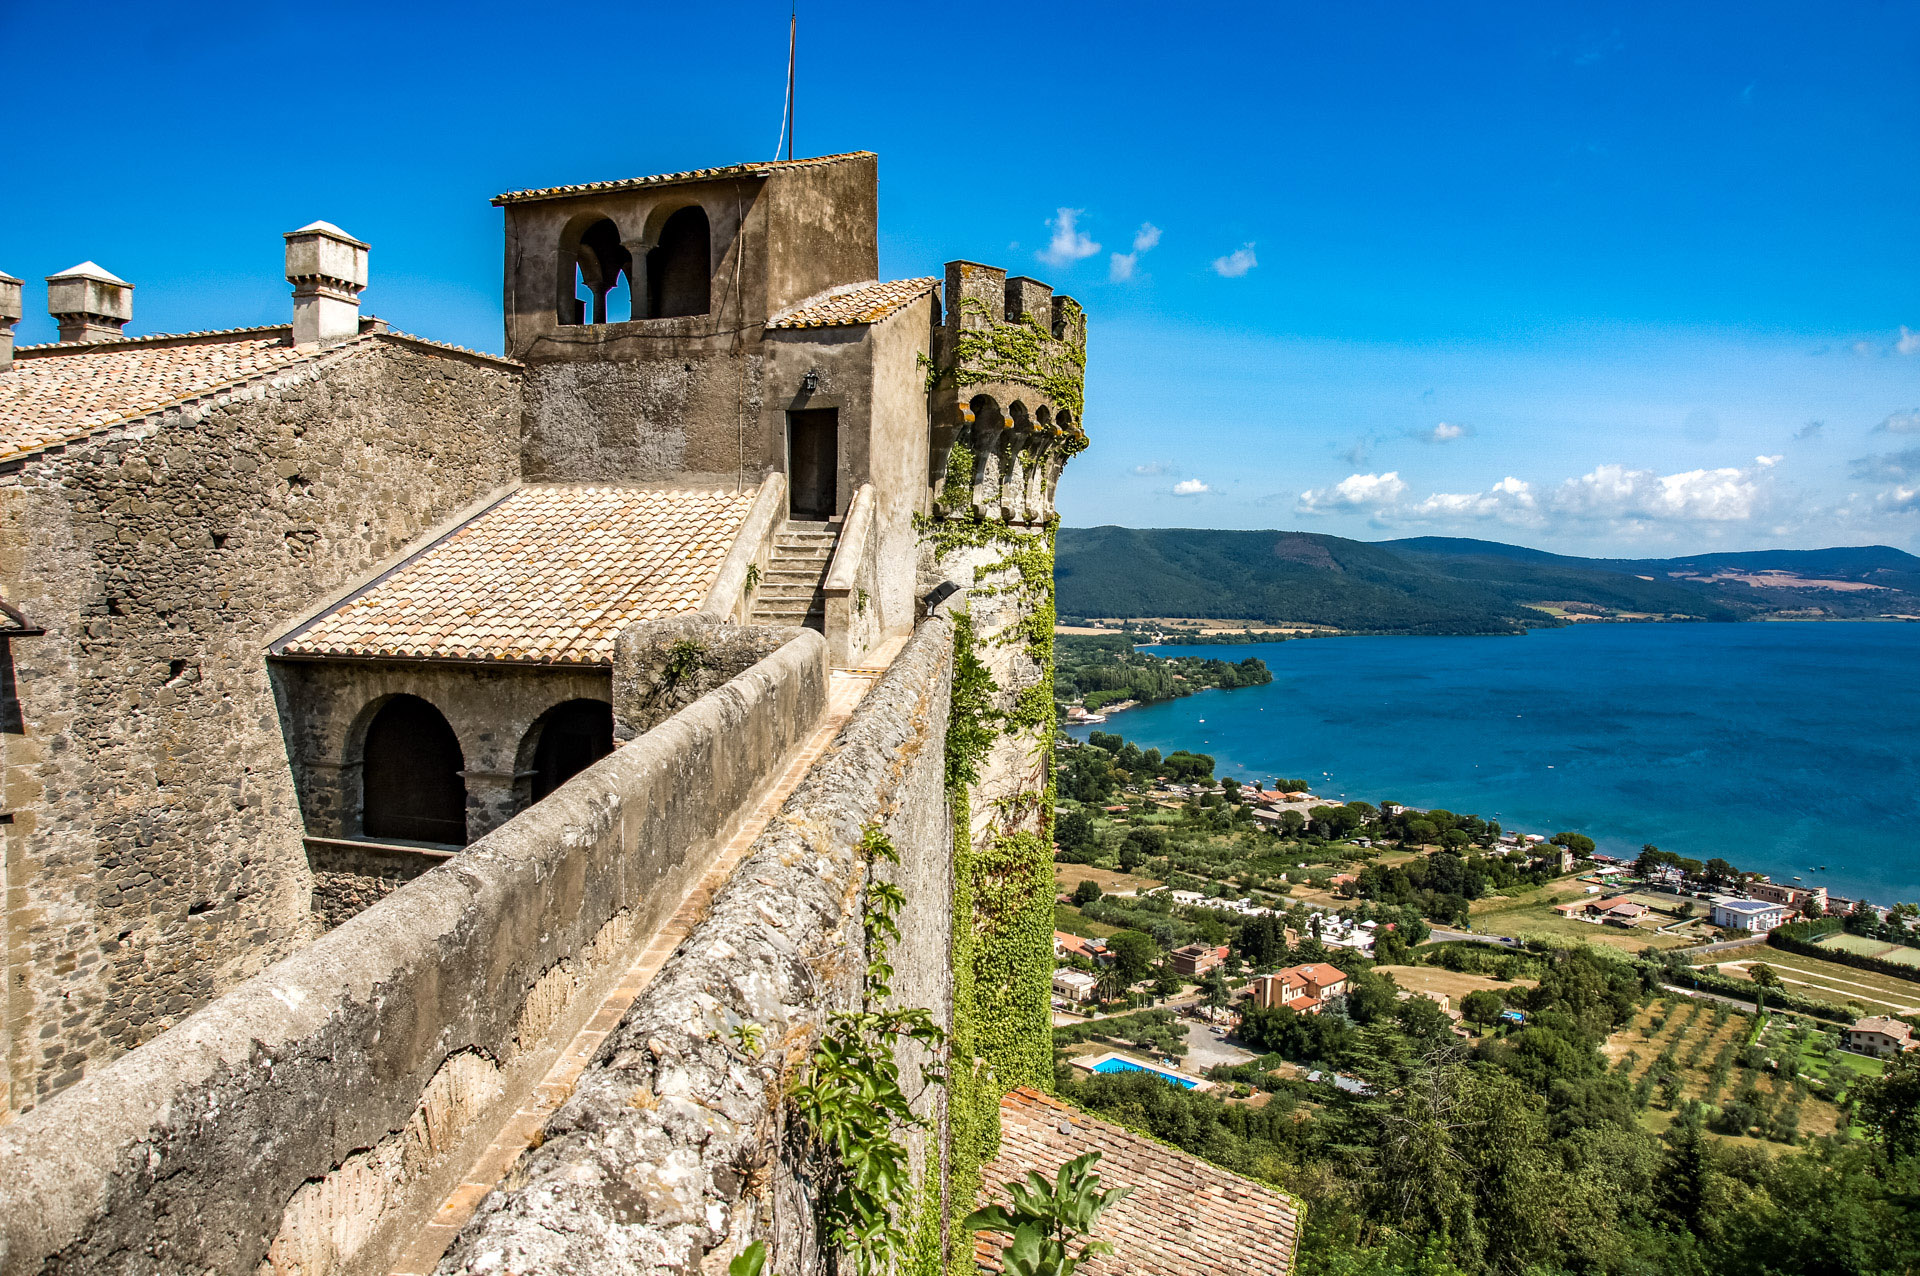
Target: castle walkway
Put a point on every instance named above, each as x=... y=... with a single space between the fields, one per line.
x=420 y=1254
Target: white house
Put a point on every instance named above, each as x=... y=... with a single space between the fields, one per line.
x=1075 y=985
x=1755 y=915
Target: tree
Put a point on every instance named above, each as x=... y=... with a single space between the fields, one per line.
x=1214 y=991
x=1482 y=1006
x=1110 y=983
x=1087 y=891
x=1889 y=1106
x=1045 y=1219
x=1073 y=831
x=1764 y=975
x=1133 y=953
x=1579 y=843
x=1141 y=845
x=1292 y=822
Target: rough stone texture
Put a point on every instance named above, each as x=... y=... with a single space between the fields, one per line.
x=673 y=1144
x=351 y=877
x=662 y=666
x=154 y=857
x=184 y=1156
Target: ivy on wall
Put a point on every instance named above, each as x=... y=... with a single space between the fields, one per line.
x=1003 y=883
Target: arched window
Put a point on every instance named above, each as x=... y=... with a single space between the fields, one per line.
x=411 y=788
x=680 y=268
x=598 y=269
x=570 y=737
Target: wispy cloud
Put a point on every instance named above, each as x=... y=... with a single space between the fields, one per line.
x=1360 y=453
x=1123 y=265
x=1190 y=487
x=1236 y=263
x=1354 y=492
x=1887 y=467
x=1153 y=468
x=1811 y=430
x=1908 y=342
x=1900 y=423
x=1069 y=243
x=1445 y=432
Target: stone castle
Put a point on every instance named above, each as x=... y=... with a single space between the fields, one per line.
x=447 y=797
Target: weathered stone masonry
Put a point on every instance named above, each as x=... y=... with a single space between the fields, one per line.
x=156 y=856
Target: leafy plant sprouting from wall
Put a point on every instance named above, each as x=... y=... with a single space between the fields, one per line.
x=1024 y=353
x=1044 y=1219
x=685 y=658
x=850 y=1102
x=753 y=578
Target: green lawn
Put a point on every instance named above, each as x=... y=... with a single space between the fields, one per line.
x=1873 y=948
x=1071 y=920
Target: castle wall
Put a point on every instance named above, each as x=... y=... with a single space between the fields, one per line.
x=154 y=857
x=319 y=1107
x=674 y=1142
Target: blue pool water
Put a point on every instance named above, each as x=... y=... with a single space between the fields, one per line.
x=1780 y=747
x=1122 y=1065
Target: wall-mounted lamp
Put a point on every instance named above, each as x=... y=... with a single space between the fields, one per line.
x=811 y=381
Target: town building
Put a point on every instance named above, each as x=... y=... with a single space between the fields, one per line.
x=1074 y=985
x=1306 y=989
x=1798 y=898
x=1755 y=915
x=1881 y=1035
x=1196 y=960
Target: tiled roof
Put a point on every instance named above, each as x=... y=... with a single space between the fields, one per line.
x=1184 y=1218
x=854 y=303
x=761 y=169
x=1883 y=1023
x=547 y=575
x=59 y=392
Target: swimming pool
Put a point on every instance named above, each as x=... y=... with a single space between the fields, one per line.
x=1114 y=1063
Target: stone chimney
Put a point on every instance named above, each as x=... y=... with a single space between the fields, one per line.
x=9 y=315
x=89 y=304
x=327 y=268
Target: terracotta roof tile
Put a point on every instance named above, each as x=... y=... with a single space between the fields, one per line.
x=1184 y=1218
x=59 y=392
x=854 y=303
x=547 y=575
x=761 y=169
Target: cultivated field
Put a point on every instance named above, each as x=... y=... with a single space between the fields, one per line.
x=1779 y=1082
x=1110 y=882
x=1448 y=983
x=1873 y=948
x=1830 y=981
x=1531 y=913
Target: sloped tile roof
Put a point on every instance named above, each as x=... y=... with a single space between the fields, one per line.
x=854 y=303
x=1185 y=1217
x=550 y=574
x=58 y=392
x=761 y=169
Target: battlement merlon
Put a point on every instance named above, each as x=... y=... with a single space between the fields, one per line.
x=1006 y=394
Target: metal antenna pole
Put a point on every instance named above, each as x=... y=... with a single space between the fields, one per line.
x=793 y=33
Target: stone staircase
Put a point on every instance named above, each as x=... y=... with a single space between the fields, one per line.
x=790 y=592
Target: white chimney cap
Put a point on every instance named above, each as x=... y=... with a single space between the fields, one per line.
x=91 y=270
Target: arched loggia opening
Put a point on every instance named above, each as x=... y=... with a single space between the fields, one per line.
x=567 y=739
x=411 y=786
x=596 y=283
x=680 y=266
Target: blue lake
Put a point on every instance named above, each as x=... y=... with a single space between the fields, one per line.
x=1780 y=747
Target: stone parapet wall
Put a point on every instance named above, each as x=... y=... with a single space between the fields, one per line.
x=154 y=859
x=310 y=1109
x=674 y=1144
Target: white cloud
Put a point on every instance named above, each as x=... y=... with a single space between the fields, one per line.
x=1446 y=432
x=1356 y=491
x=1152 y=468
x=1767 y=462
x=1069 y=243
x=1190 y=487
x=1900 y=423
x=1236 y=263
x=1614 y=492
x=1122 y=267
x=1510 y=500
x=1908 y=342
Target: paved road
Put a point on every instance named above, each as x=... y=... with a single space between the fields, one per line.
x=1735 y=1002
x=1499 y=941
x=1204 y=1050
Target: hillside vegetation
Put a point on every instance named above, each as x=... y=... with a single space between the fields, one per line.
x=1444 y=585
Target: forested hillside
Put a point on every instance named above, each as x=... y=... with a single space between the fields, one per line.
x=1443 y=585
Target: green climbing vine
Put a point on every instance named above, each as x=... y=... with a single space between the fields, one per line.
x=956 y=490
x=1003 y=883
x=850 y=1104
x=1024 y=352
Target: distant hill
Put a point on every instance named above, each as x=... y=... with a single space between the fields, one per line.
x=1450 y=585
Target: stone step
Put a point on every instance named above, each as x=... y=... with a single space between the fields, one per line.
x=767 y=595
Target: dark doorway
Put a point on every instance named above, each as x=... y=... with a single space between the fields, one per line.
x=680 y=270
x=813 y=463
x=411 y=787
x=573 y=736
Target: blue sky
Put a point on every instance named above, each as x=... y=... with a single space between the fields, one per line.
x=1601 y=279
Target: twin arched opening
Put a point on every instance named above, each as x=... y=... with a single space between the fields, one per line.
x=600 y=282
